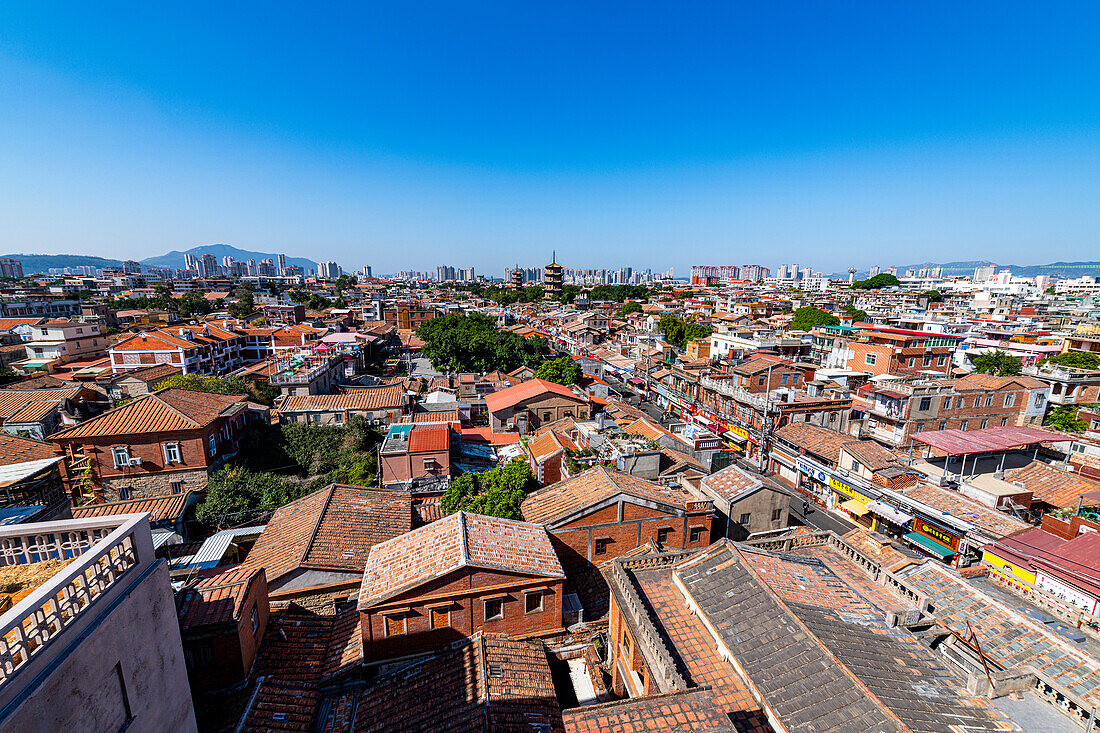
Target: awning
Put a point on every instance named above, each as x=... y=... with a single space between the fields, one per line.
x=888 y=512
x=854 y=506
x=930 y=545
x=730 y=435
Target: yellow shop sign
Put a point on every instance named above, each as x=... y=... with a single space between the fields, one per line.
x=838 y=485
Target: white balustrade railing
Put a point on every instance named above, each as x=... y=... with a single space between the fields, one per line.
x=100 y=551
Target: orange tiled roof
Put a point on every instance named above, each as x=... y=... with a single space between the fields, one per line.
x=32 y=412
x=429 y=438
x=14 y=449
x=333 y=528
x=679 y=711
x=524 y=391
x=166 y=410
x=374 y=398
x=1051 y=485
x=460 y=540
x=565 y=498
x=161 y=508
x=217 y=599
x=15 y=400
x=731 y=482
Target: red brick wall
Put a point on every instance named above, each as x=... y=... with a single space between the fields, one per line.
x=465 y=592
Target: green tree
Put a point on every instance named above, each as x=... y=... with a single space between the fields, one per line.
x=678 y=332
x=619 y=293
x=1077 y=359
x=934 y=296
x=471 y=342
x=881 y=280
x=233 y=494
x=1065 y=419
x=497 y=492
x=562 y=370
x=629 y=307
x=261 y=392
x=807 y=318
x=245 y=304
x=998 y=363
x=857 y=315
x=297 y=295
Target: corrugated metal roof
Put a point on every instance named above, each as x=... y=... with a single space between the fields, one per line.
x=966 y=442
x=15 y=472
x=213 y=548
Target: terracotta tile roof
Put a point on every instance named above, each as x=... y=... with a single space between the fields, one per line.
x=332 y=528
x=14 y=449
x=443 y=416
x=988 y=381
x=429 y=438
x=554 y=503
x=525 y=391
x=677 y=712
x=548 y=444
x=426 y=510
x=486 y=436
x=162 y=508
x=150 y=375
x=218 y=598
x=345 y=644
x=1052 y=485
x=458 y=541
x=731 y=482
x=491 y=683
x=880 y=550
x=7 y=324
x=375 y=398
x=165 y=410
x=817 y=440
x=13 y=401
x=870 y=454
x=647 y=429
x=32 y=412
x=153 y=340
x=990 y=521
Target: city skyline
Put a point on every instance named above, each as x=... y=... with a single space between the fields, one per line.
x=660 y=137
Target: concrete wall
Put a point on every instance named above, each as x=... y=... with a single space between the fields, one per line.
x=128 y=666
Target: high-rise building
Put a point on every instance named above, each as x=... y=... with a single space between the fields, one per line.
x=282 y=264
x=875 y=269
x=756 y=272
x=252 y=270
x=366 y=271
x=266 y=268
x=10 y=267
x=982 y=273
x=130 y=267
x=936 y=271
x=328 y=270
x=191 y=262
x=552 y=277
x=892 y=270
x=209 y=265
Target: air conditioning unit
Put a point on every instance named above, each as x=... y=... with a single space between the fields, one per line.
x=135 y=461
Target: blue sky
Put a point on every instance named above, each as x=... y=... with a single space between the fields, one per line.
x=648 y=134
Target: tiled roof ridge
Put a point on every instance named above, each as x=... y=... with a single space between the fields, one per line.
x=317 y=525
x=825 y=649
x=175 y=410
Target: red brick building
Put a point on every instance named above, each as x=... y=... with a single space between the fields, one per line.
x=412 y=452
x=165 y=442
x=531 y=404
x=465 y=573
x=602 y=513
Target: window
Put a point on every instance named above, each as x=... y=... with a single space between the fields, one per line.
x=124 y=493
x=255 y=621
x=920 y=428
x=199 y=657
x=947 y=403
x=963 y=424
x=172 y=453
x=856 y=466
x=494 y=609
x=794 y=378
x=532 y=602
x=777 y=514
x=338 y=418
x=429 y=464
x=601 y=546
x=1039 y=399
x=440 y=618
x=832 y=417
x=695 y=534
x=761 y=379
x=547 y=416
x=121 y=456
x=662 y=535
x=912 y=361
x=943 y=425
x=983 y=425
x=925 y=403
x=1004 y=422
x=927 y=360
x=745 y=519
x=870 y=359
x=177 y=487
x=213 y=445
x=395 y=624
x=989 y=401
x=1010 y=399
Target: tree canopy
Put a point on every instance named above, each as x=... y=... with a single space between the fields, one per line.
x=997 y=362
x=260 y=392
x=619 y=293
x=855 y=314
x=678 y=332
x=471 y=342
x=497 y=492
x=1078 y=359
x=934 y=296
x=881 y=280
x=1065 y=419
x=629 y=307
x=234 y=493
x=562 y=370
x=807 y=317
x=245 y=304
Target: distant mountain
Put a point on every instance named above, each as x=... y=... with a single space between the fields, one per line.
x=175 y=258
x=1054 y=269
x=41 y=264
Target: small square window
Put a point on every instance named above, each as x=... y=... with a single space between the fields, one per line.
x=662 y=535
x=745 y=519
x=870 y=359
x=172 y=453
x=494 y=609
x=395 y=624
x=776 y=514
x=601 y=546
x=989 y=401
x=963 y=424
x=1004 y=421
x=177 y=487
x=255 y=621
x=695 y=534
x=984 y=424
x=532 y=602
x=121 y=457
x=441 y=618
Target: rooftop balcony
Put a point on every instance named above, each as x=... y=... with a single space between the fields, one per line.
x=100 y=554
x=724 y=387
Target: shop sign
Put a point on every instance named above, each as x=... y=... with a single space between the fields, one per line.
x=811 y=471
x=837 y=485
x=944 y=538
x=738 y=431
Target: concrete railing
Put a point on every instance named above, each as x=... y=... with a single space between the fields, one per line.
x=723 y=387
x=100 y=552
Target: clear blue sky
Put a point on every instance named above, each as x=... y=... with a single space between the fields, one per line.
x=649 y=134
